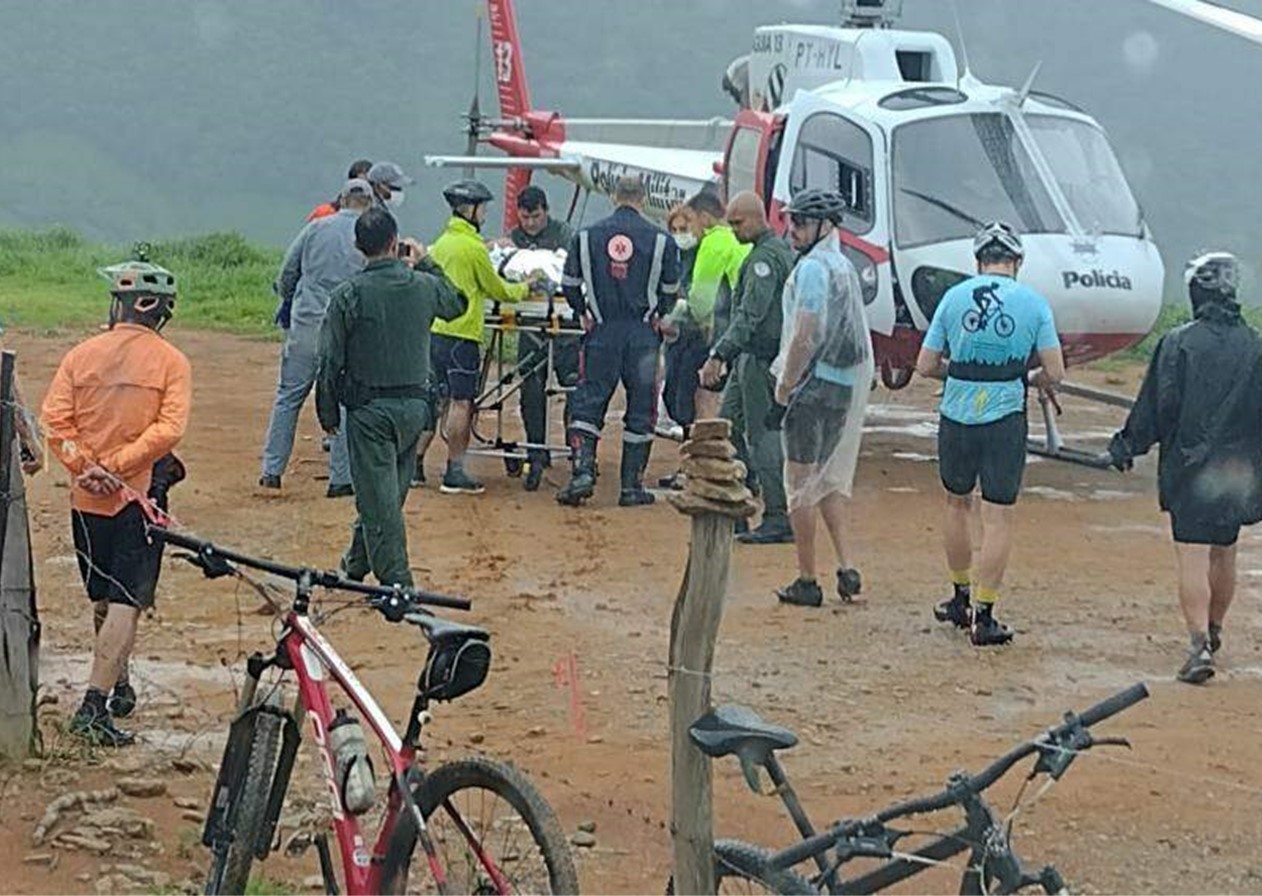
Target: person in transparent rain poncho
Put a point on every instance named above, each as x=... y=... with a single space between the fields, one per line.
x=823 y=374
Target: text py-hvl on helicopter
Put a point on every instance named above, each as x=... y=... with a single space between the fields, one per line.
x=923 y=151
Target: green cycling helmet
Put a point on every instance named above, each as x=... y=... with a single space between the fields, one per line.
x=139 y=277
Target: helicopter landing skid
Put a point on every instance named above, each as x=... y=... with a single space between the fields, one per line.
x=1053 y=446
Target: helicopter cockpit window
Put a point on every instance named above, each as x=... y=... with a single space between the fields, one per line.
x=742 y=161
x=922 y=98
x=835 y=154
x=953 y=174
x=1088 y=174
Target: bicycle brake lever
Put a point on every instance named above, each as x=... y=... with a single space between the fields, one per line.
x=211 y=565
x=1112 y=742
x=394 y=607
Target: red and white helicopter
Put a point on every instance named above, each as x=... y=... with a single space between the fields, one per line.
x=922 y=149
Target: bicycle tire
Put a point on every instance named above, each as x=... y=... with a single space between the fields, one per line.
x=505 y=781
x=253 y=802
x=736 y=860
x=1005 y=325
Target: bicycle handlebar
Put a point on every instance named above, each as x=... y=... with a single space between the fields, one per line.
x=1105 y=709
x=319 y=578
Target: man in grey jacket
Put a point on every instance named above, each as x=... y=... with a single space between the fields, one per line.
x=322 y=256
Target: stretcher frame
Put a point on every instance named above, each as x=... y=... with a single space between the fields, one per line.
x=500 y=378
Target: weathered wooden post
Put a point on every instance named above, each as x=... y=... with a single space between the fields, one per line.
x=19 y=624
x=714 y=496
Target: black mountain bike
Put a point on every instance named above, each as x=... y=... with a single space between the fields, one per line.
x=993 y=866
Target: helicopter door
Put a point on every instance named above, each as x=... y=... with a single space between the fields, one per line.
x=752 y=150
x=826 y=146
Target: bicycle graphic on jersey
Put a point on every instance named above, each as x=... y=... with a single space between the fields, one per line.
x=989 y=308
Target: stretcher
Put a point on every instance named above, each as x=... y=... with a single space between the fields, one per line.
x=504 y=371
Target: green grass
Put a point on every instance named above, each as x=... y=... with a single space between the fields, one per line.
x=48 y=281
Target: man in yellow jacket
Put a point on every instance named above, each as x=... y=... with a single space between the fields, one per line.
x=455 y=346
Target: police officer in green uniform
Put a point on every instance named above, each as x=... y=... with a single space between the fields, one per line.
x=374 y=360
x=746 y=348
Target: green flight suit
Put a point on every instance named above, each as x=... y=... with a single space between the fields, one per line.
x=374 y=360
x=748 y=346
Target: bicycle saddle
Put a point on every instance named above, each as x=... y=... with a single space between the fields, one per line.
x=732 y=729
x=437 y=629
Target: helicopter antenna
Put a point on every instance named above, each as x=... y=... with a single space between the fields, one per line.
x=474 y=114
x=1029 y=83
x=959 y=29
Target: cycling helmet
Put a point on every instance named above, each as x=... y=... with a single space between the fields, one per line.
x=466 y=192
x=142 y=289
x=823 y=205
x=1214 y=272
x=1001 y=235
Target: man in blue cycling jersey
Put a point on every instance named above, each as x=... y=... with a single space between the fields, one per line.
x=980 y=341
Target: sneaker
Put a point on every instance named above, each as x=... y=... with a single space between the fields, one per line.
x=122 y=702
x=534 y=477
x=458 y=482
x=987 y=631
x=266 y=481
x=98 y=729
x=768 y=532
x=418 y=477
x=340 y=491
x=849 y=583
x=1199 y=667
x=674 y=482
x=1215 y=638
x=802 y=593
x=956 y=611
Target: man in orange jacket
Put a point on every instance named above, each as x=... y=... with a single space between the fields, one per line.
x=118 y=403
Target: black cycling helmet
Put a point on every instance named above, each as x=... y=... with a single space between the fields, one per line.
x=824 y=205
x=1001 y=236
x=466 y=192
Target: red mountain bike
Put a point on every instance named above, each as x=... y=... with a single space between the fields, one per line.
x=480 y=824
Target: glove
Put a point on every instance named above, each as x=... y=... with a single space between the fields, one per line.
x=1119 y=455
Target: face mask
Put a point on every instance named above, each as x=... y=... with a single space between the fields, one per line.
x=395 y=201
x=685 y=241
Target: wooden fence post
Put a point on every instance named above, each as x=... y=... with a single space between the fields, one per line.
x=19 y=623
x=715 y=494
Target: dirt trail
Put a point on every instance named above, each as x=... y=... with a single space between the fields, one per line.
x=885 y=702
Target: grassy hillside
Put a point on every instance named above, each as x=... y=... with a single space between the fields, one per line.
x=48 y=280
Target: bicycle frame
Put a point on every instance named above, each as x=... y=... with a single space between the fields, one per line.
x=316 y=663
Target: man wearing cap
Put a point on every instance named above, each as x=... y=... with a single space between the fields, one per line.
x=536 y=229
x=388 y=181
x=322 y=256
x=1201 y=401
x=359 y=169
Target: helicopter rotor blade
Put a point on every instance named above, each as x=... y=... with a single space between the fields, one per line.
x=475 y=106
x=1228 y=20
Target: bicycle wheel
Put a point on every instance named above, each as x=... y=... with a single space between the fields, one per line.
x=740 y=867
x=253 y=802
x=479 y=806
x=1005 y=325
x=972 y=321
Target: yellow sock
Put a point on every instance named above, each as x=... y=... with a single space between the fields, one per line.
x=960 y=578
x=985 y=595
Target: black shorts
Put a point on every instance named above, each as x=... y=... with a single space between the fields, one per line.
x=815 y=420
x=1201 y=525
x=117 y=561
x=993 y=453
x=456 y=366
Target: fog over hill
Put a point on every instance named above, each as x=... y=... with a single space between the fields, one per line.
x=137 y=118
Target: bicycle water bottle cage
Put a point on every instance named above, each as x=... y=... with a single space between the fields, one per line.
x=459 y=658
x=738 y=730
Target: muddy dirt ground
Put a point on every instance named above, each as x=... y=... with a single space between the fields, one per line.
x=886 y=702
